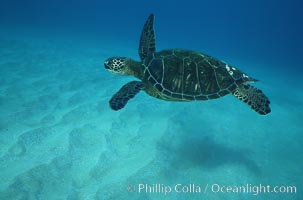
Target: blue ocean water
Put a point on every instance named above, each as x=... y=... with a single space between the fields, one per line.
x=60 y=140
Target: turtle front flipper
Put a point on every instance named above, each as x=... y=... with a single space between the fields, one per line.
x=253 y=97
x=147 y=41
x=128 y=91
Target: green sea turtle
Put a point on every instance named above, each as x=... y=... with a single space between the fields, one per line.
x=181 y=75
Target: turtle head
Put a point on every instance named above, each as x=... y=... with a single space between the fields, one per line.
x=117 y=65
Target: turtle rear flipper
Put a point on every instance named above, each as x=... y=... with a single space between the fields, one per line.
x=128 y=91
x=253 y=97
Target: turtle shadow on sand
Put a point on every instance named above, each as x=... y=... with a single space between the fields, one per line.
x=205 y=152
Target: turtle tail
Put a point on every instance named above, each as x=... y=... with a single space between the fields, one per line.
x=253 y=97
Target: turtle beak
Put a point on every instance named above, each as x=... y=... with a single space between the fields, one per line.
x=106 y=64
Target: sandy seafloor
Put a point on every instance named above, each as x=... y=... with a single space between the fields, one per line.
x=60 y=140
